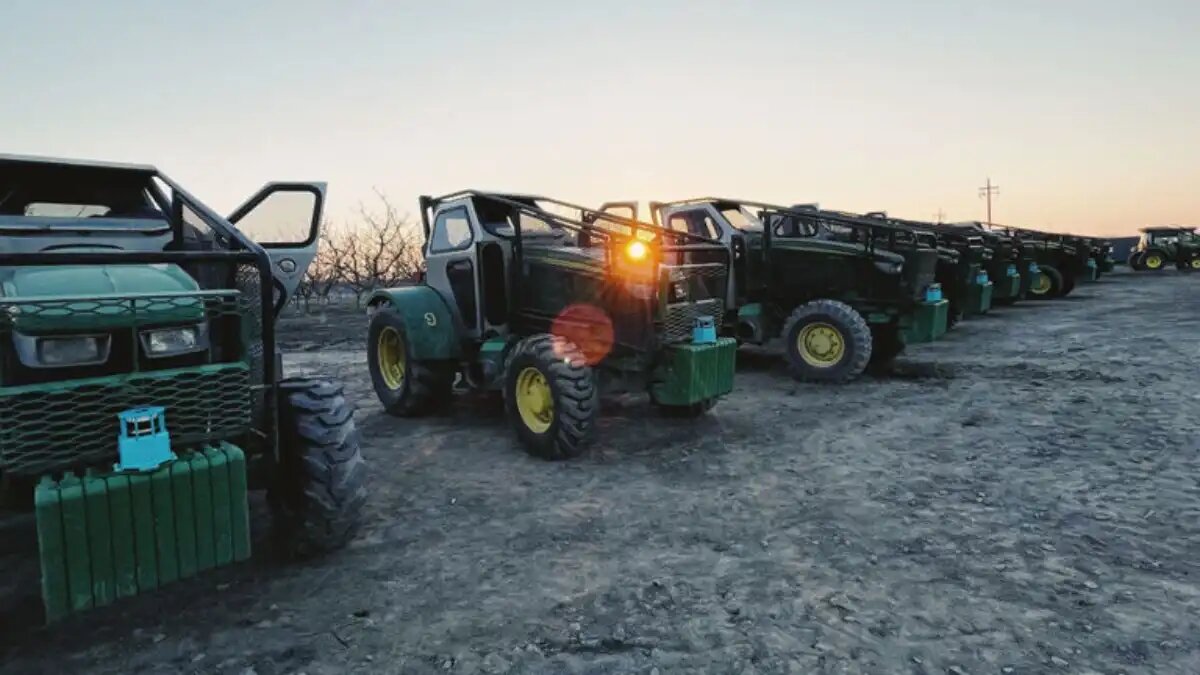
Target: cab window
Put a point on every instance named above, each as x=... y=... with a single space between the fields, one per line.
x=451 y=231
x=698 y=223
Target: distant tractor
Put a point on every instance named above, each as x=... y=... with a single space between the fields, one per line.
x=1161 y=246
x=547 y=303
x=141 y=390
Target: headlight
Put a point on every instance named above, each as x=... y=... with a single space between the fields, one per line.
x=71 y=351
x=174 y=341
x=60 y=351
x=889 y=266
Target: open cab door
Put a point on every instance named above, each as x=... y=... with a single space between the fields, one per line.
x=285 y=219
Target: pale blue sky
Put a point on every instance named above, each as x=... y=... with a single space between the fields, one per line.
x=1085 y=113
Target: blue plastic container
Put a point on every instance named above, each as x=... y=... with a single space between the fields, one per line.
x=143 y=442
x=933 y=293
x=704 y=331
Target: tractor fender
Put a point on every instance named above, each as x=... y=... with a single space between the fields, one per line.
x=432 y=333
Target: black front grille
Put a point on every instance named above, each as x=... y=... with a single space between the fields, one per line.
x=73 y=424
x=705 y=286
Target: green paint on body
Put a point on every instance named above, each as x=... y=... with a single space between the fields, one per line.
x=691 y=373
x=926 y=323
x=979 y=299
x=428 y=321
x=109 y=536
x=98 y=297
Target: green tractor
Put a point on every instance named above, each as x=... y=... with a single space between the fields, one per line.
x=1160 y=246
x=141 y=390
x=547 y=303
x=962 y=265
x=826 y=283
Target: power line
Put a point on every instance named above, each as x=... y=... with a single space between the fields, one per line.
x=987 y=191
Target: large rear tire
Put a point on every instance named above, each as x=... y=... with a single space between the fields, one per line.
x=551 y=397
x=826 y=341
x=405 y=386
x=319 y=488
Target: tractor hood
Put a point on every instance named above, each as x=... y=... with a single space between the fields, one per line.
x=115 y=288
x=91 y=280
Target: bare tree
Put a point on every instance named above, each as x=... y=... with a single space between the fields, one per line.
x=322 y=276
x=383 y=248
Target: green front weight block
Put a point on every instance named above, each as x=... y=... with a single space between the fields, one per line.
x=927 y=322
x=102 y=537
x=979 y=299
x=691 y=373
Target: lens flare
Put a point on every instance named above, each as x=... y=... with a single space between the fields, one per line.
x=636 y=250
x=587 y=327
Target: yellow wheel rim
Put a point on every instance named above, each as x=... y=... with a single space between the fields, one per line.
x=535 y=402
x=1153 y=262
x=1041 y=285
x=392 y=358
x=1196 y=264
x=820 y=345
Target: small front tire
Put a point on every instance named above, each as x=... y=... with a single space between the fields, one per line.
x=826 y=341
x=405 y=386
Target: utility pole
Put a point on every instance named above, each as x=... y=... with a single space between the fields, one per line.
x=987 y=191
x=939 y=217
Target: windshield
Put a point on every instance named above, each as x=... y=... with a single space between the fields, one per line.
x=741 y=218
x=70 y=197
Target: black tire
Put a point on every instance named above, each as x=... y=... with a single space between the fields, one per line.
x=425 y=387
x=1056 y=282
x=1068 y=285
x=886 y=344
x=319 y=487
x=1154 y=252
x=1135 y=261
x=684 y=411
x=852 y=329
x=1191 y=264
x=573 y=394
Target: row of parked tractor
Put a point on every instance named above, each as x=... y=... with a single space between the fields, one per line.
x=142 y=394
x=550 y=302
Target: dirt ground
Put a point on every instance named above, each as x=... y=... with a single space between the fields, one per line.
x=1021 y=497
